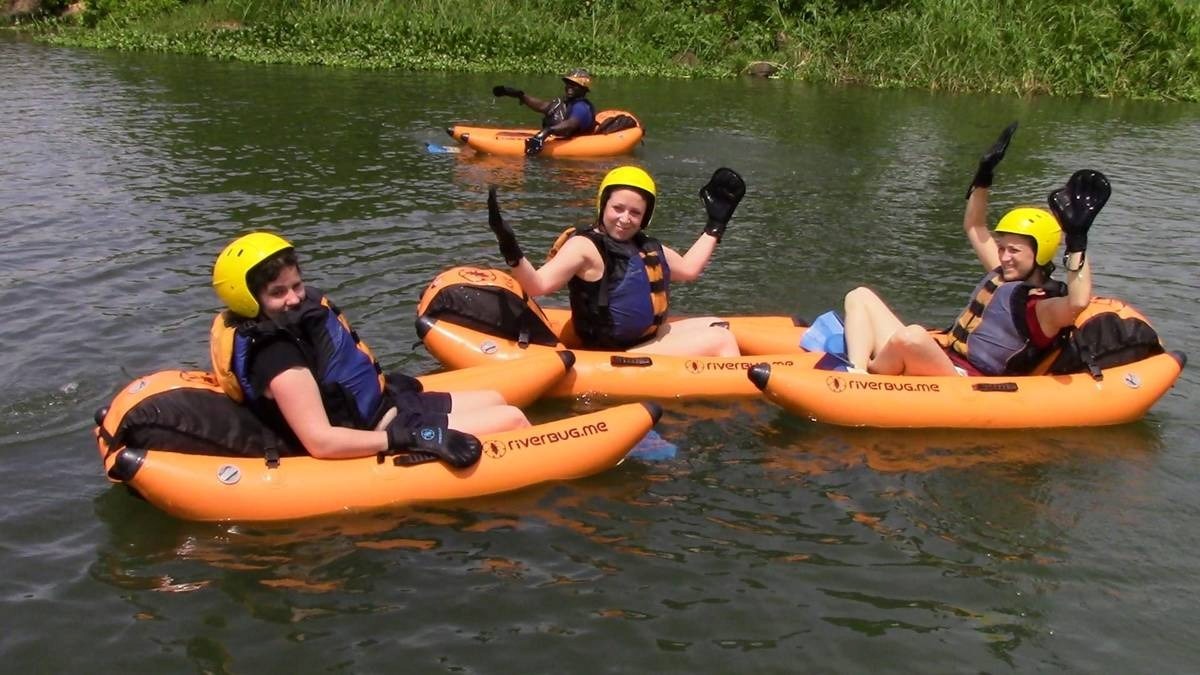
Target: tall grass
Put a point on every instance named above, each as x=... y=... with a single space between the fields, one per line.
x=1128 y=48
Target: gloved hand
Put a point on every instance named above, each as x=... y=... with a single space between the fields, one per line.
x=396 y=381
x=501 y=90
x=455 y=448
x=1076 y=205
x=721 y=196
x=509 y=248
x=987 y=163
x=533 y=144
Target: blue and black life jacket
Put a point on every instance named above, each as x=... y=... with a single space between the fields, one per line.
x=350 y=378
x=630 y=301
x=561 y=109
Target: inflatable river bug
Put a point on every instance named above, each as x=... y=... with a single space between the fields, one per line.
x=175 y=439
x=1110 y=370
x=470 y=316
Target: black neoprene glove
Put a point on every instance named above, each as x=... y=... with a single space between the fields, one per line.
x=721 y=195
x=534 y=144
x=455 y=448
x=1076 y=205
x=987 y=163
x=509 y=248
x=501 y=90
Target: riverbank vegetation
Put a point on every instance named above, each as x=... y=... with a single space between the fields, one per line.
x=1122 y=48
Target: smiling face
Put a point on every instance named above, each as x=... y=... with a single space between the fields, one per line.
x=1017 y=256
x=573 y=91
x=283 y=293
x=623 y=213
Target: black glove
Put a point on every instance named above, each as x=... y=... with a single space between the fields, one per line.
x=1076 y=205
x=721 y=196
x=455 y=448
x=396 y=381
x=533 y=144
x=987 y=163
x=509 y=248
x=501 y=90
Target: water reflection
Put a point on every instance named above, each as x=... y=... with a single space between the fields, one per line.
x=806 y=449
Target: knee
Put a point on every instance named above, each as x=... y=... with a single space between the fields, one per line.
x=490 y=398
x=860 y=296
x=514 y=418
x=723 y=341
x=911 y=337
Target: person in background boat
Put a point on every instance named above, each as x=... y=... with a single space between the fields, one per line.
x=570 y=115
x=1017 y=311
x=284 y=349
x=619 y=278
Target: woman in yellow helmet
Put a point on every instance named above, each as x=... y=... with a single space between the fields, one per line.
x=571 y=115
x=619 y=278
x=1016 y=311
x=285 y=350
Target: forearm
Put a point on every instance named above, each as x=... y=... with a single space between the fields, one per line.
x=1079 y=282
x=535 y=103
x=565 y=127
x=975 y=215
x=976 y=228
x=527 y=276
x=343 y=442
x=696 y=259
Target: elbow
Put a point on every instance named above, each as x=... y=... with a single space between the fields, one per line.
x=1078 y=304
x=321 y=450
x=323 y=446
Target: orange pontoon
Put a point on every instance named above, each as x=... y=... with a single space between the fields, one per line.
x=459 y=317
x=215 y=486
x=497 y=141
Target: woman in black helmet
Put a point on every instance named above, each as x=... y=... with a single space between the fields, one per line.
x=570 y=115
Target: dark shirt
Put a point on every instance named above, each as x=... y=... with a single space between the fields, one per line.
x=268 y=362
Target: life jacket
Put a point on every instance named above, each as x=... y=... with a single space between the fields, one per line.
x=560 y=109
x=630 y=301
x=992 y=333
x=347 y=373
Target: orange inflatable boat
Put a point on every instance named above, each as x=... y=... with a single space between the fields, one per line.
x=470 y=316
x=1095 y=396
x=496 y=141
x=199 y=479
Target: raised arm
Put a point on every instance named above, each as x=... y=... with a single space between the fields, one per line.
x=975 y=217
x=720 y=196
x=523 y=98
x=571 y=260
x=1075 y=206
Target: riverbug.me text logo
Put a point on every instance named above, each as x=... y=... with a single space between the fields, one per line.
x=696 y=367
x=499 y=449
x=840 y=384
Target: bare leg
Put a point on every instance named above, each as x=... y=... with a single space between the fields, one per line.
x=869 y=325
x=483 y=411
x=476 y=399
x=911 y=351
x=489 y=420
x=692 y=337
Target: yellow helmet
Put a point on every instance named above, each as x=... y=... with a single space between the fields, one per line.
x=1037 y=223
x=235 y=262
x=627 y=177
x=580 y=77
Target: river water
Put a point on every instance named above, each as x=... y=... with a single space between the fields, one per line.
x=767 y=544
